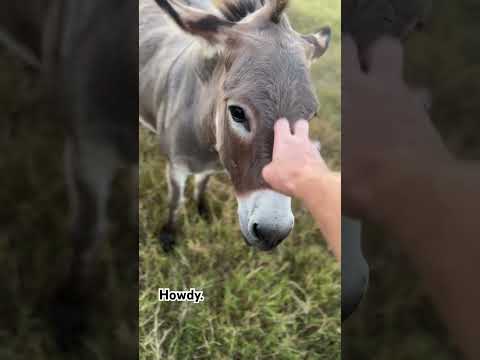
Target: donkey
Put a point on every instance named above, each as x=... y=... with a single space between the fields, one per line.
x=212 y=82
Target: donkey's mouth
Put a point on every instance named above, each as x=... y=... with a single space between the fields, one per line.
x=246 y=241
x=260 y=246
x=266 y=218
x=266 y=247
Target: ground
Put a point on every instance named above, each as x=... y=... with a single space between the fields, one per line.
x=279 y=305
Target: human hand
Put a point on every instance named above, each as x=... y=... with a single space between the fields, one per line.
x=388 y=141
x=295 y=159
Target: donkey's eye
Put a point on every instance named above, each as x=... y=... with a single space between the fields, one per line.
x=237 y=113
x=239 y=118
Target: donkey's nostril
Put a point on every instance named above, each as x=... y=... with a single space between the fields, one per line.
x=256 y=231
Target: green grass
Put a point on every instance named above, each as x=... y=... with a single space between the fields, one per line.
x=279 y=305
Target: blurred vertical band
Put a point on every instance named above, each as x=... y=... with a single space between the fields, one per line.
x=68 y=179
x=355 y=270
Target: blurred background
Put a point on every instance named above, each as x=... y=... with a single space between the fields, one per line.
x=397 y=319
x=35 y=245
x=279 y=305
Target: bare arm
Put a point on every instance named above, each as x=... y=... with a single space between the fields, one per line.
x=298 y=170
x=438 y=226
x=398 y=173
x=321 y=194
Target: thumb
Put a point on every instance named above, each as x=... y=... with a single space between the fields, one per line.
x=268 y=173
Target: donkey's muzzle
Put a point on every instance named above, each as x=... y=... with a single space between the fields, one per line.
x=269 y=236
x=266 y=218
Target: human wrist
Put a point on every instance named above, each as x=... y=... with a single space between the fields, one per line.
x=312 y=178
x=322 y=198
x=320 y=187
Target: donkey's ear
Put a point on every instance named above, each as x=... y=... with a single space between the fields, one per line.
x=318 y=43
x=276 y=9
x=196 y=21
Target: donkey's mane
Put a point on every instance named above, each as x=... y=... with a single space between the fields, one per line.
x=236 y=10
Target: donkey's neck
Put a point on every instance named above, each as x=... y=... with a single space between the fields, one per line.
x=205 y=121
x=204 y=63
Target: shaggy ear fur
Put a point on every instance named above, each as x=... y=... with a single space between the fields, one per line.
x=276 y=8
x=271 y=11
x=197 y=22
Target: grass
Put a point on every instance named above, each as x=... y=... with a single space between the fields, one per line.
x=279 y=305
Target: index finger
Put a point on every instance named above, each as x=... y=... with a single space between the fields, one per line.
x=301 y=129
x=282 y=129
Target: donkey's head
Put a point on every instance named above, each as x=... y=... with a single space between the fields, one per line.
x=260 y=73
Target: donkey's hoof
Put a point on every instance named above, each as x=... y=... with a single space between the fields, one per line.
x=69 y=317
x=167 y=240
x=203 y=211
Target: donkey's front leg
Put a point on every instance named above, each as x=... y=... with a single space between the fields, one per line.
x=176 y=176
x=90 y=167
x=201 y=181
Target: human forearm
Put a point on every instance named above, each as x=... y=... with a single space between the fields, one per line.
x=437 y=224
x=321 y=194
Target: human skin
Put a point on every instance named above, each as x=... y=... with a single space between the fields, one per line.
x=298 y=170
x=398 y=173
